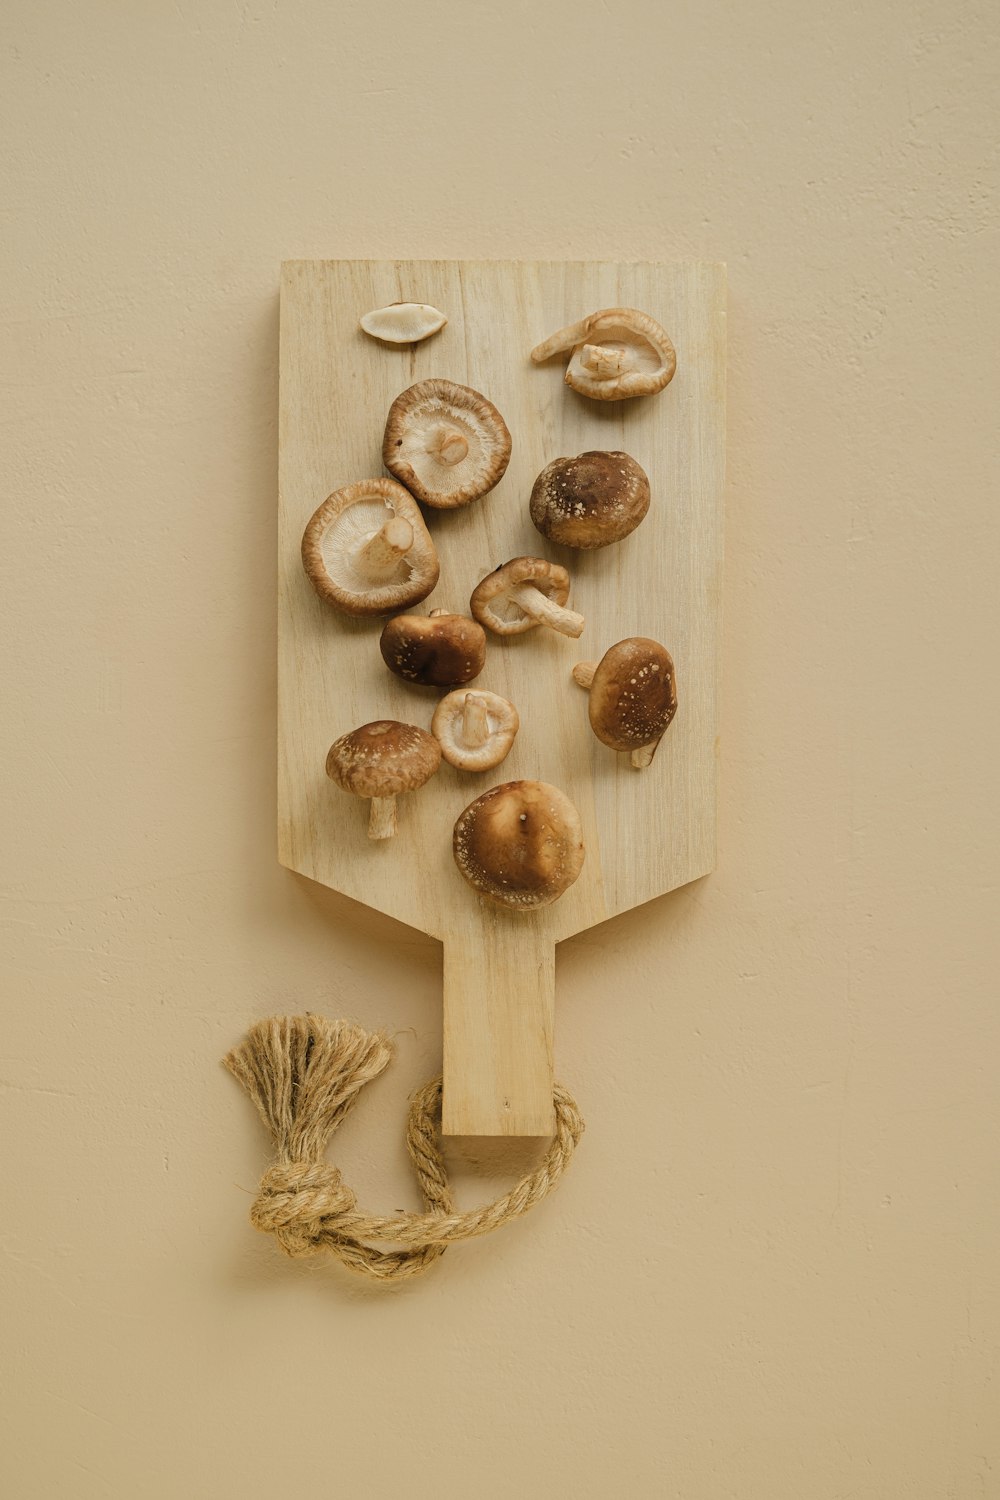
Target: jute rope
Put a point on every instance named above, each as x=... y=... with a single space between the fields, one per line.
x=304 y=1073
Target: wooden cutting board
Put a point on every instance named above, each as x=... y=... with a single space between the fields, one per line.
x=646 y=832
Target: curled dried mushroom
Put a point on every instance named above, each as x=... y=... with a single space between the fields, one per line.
x=589 y=501
x=520 y=844
x=380 y=761
x=367 y=551
x=633 y=696
x=523 y=593
x=613 y=354
x=446 y=443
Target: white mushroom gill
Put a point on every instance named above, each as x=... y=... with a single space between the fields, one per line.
x=367 y=542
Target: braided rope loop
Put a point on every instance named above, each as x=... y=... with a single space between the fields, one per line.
x=304 y=1073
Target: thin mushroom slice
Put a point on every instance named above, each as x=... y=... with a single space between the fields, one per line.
x=475 y=729
x=403 y=322
x=633 y=696
x=522 y=594
x=520 y=844
x=380 y=761
x=367 y=551
x=446 y=443
x=615 y=354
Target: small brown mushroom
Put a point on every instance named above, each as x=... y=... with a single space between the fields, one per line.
x=382 y=760
x=367 y=551
x=633 y=696
x=589 y=501
x=520 y=844
x=475 y=730
x=523 y=593
x=446 y=443
x=438 y=650
x=614 y=354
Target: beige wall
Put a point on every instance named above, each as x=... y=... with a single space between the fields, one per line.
x=772 y=1272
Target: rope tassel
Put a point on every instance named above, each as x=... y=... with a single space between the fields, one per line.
x=304 y=1073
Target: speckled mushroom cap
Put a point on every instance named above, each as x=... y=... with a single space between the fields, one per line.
x=437 y=650
x=383 y=759
x=615 y=354
x=340 y=535
x=520 y=844
x=492 y=603
x=589 y=501
x=633 y=696
x=446 y=443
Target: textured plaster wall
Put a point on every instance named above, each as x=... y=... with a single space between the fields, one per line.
x=772 y=1272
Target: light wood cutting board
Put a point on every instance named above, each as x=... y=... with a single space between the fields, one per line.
x=646 y=832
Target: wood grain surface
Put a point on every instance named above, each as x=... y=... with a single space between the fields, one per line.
x=646 y=832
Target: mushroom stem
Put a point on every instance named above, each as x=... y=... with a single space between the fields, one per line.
x=475 y=722
x=541 y=608
x=382 y=818
x=380 y=556
x=583 y=673
x=643 y=757
x=603 y=360
x=448 y=445
x=437 y=613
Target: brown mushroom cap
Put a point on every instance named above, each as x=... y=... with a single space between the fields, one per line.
x=589 y=501
x=446 y=443
x=383 y=759
x=367 y=551
x=520 y=844
x=633 y=696
x=523 y=593
x=438 y=650
x=475 y=729
x=615 y=354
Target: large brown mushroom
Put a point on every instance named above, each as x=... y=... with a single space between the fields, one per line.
x=367 y=551
x=589 y=501
x=475 y=730
x=523 y=593
x=437 y=650
x=614 y=354
x=520 y=844
x=446 y=443
x=381 y=761
x=633 y=696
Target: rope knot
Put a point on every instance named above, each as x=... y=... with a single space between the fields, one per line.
x=295 y=1202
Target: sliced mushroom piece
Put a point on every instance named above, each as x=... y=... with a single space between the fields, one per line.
x=589 y=501
x=633 y=696
x=403 y=322
x=475 y=730
x=437 y=650
x=523 y=593
x=614 y=354
x=381 y=761
x=446 y=443
x=367 y=551
x=520 y=844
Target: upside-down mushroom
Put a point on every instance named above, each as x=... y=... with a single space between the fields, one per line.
x=589 y=501
x=614 y=354
x=380 y=761
x=367 y=551
x=475 y=729
x=633 y=696
x=520 y=844
x=523 y=593
x=446 y=443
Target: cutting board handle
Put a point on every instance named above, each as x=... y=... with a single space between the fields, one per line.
x=499 y=1012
